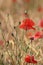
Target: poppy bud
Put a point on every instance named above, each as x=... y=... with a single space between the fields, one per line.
x=0 y=23
x=30 y=59
x=7 y=41
x=32 y=38
x=2 y=56
x=19 y=22
x=14 y=27
x=25 y=12
x=12 y=34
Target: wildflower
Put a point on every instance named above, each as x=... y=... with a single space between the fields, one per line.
x=30 y=59
x=33 y=60
x=40 y=23
x=27 y=59
x=27 y=24
x=38 y=35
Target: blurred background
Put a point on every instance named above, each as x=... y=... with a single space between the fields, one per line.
x=12 y=12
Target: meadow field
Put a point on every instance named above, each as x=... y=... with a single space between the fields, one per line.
x=21 y=32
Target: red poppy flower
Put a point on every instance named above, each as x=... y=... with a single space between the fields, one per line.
x=38 y=35
x=40 y=9
x=27 y=59
x=33 y=60
x=27 y=24
x=41 y=23
x=30 y=59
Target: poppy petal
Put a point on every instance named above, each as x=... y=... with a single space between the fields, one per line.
x=27 y=24
x=41 y=23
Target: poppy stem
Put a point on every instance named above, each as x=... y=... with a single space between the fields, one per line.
x=31 y=46
x=31 y=49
